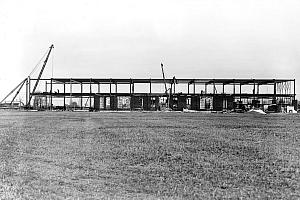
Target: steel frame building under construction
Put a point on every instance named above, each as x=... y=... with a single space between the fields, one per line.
x=91 y=95
x=280 y=93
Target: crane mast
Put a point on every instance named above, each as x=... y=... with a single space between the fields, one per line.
x=40 y=75
x=163 y=74
x=166 y=89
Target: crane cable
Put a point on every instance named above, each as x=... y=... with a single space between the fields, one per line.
x=36 y=66
x=22 y=83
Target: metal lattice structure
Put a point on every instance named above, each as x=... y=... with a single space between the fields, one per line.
x=215 y=94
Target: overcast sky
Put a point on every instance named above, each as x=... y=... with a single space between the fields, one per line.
x=123 y=39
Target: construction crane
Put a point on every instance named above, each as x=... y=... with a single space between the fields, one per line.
x=163 y=74
x=40 y=75
x=166 y=89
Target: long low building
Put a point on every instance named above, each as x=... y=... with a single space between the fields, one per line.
x=159 y=94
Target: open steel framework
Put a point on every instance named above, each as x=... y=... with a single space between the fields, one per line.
x=282 y=94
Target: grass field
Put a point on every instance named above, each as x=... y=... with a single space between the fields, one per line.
x=68 y=155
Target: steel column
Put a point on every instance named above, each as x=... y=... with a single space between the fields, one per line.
x=233 y=88
x=90 y=93
x=174 y=88
x=223 y=88
x=214 y=88
x=29 y=88
x=274 y=93
x=46 y=95
x=70 y=92
x=130 y=88
x=51 y=105
x=294 y=89
x=110 y=87
x=64 y=96
x=133 y=88
x=194 y=88
x=81 y=96
x=240 y=92
x=150 y=86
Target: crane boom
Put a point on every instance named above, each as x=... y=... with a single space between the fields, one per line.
x=163 y=73
x=166 y=89
x=18 y=92
x=40 y=74
x=22 y=82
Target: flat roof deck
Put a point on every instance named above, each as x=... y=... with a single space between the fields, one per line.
x=169 y=81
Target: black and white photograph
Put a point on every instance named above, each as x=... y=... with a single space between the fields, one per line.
x=160 y=99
